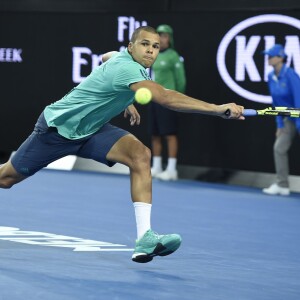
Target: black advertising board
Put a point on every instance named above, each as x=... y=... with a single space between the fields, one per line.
x=44 y=55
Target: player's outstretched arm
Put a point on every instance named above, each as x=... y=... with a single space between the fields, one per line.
x=180 y=102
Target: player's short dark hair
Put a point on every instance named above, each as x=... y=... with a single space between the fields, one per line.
x=139 y=29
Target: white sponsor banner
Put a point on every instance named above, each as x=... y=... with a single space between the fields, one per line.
x=10 y=55
x=246 y=46
x=83 y=56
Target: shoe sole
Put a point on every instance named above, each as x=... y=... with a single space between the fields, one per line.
x=276 y=194
x=160 y=250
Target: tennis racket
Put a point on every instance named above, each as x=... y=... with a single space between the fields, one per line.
x=274 y=111
x=271 y=111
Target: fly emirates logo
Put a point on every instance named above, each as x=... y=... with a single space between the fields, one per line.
x=84 y=60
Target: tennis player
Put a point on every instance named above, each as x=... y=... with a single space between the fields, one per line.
x=78 y=124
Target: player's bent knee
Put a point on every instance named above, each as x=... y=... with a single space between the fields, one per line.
x=141 y=155
x=144 y=153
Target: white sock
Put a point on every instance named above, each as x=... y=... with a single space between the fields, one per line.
x=157 y=163
x=172 y=162
x=142 y=217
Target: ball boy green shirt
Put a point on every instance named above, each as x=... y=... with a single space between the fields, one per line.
x=104 y=94
x=168 y=70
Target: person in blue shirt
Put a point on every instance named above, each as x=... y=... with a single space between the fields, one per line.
x=284 y=86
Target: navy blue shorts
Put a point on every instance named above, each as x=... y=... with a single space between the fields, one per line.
x=163 y=121
x=45 y=145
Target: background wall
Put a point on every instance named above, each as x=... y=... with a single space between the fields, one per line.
x=105 y=6
x=44 y=37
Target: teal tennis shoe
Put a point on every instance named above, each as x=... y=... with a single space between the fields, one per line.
x=153 y=244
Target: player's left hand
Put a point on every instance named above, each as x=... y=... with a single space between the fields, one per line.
x=135 y=117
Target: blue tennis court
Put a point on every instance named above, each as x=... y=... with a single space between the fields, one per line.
x=70 y=235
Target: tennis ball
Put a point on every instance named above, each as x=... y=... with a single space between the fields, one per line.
x=143 y=96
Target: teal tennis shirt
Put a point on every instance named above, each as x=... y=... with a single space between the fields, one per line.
x=104 y=94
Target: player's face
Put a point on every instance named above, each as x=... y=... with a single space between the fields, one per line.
x=145 y=49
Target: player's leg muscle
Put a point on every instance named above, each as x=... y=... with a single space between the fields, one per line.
x=129 y=151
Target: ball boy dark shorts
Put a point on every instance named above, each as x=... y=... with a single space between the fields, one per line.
x=163 y=121
x=45 y=145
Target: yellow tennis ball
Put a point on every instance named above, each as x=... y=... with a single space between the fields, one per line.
x=143 y=96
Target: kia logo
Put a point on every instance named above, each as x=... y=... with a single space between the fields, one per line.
x=246 y=47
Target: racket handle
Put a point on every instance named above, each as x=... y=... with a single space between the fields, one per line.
x=250 y=112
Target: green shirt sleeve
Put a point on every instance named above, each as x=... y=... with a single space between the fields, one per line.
x=168 y=70
x=179 y=74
